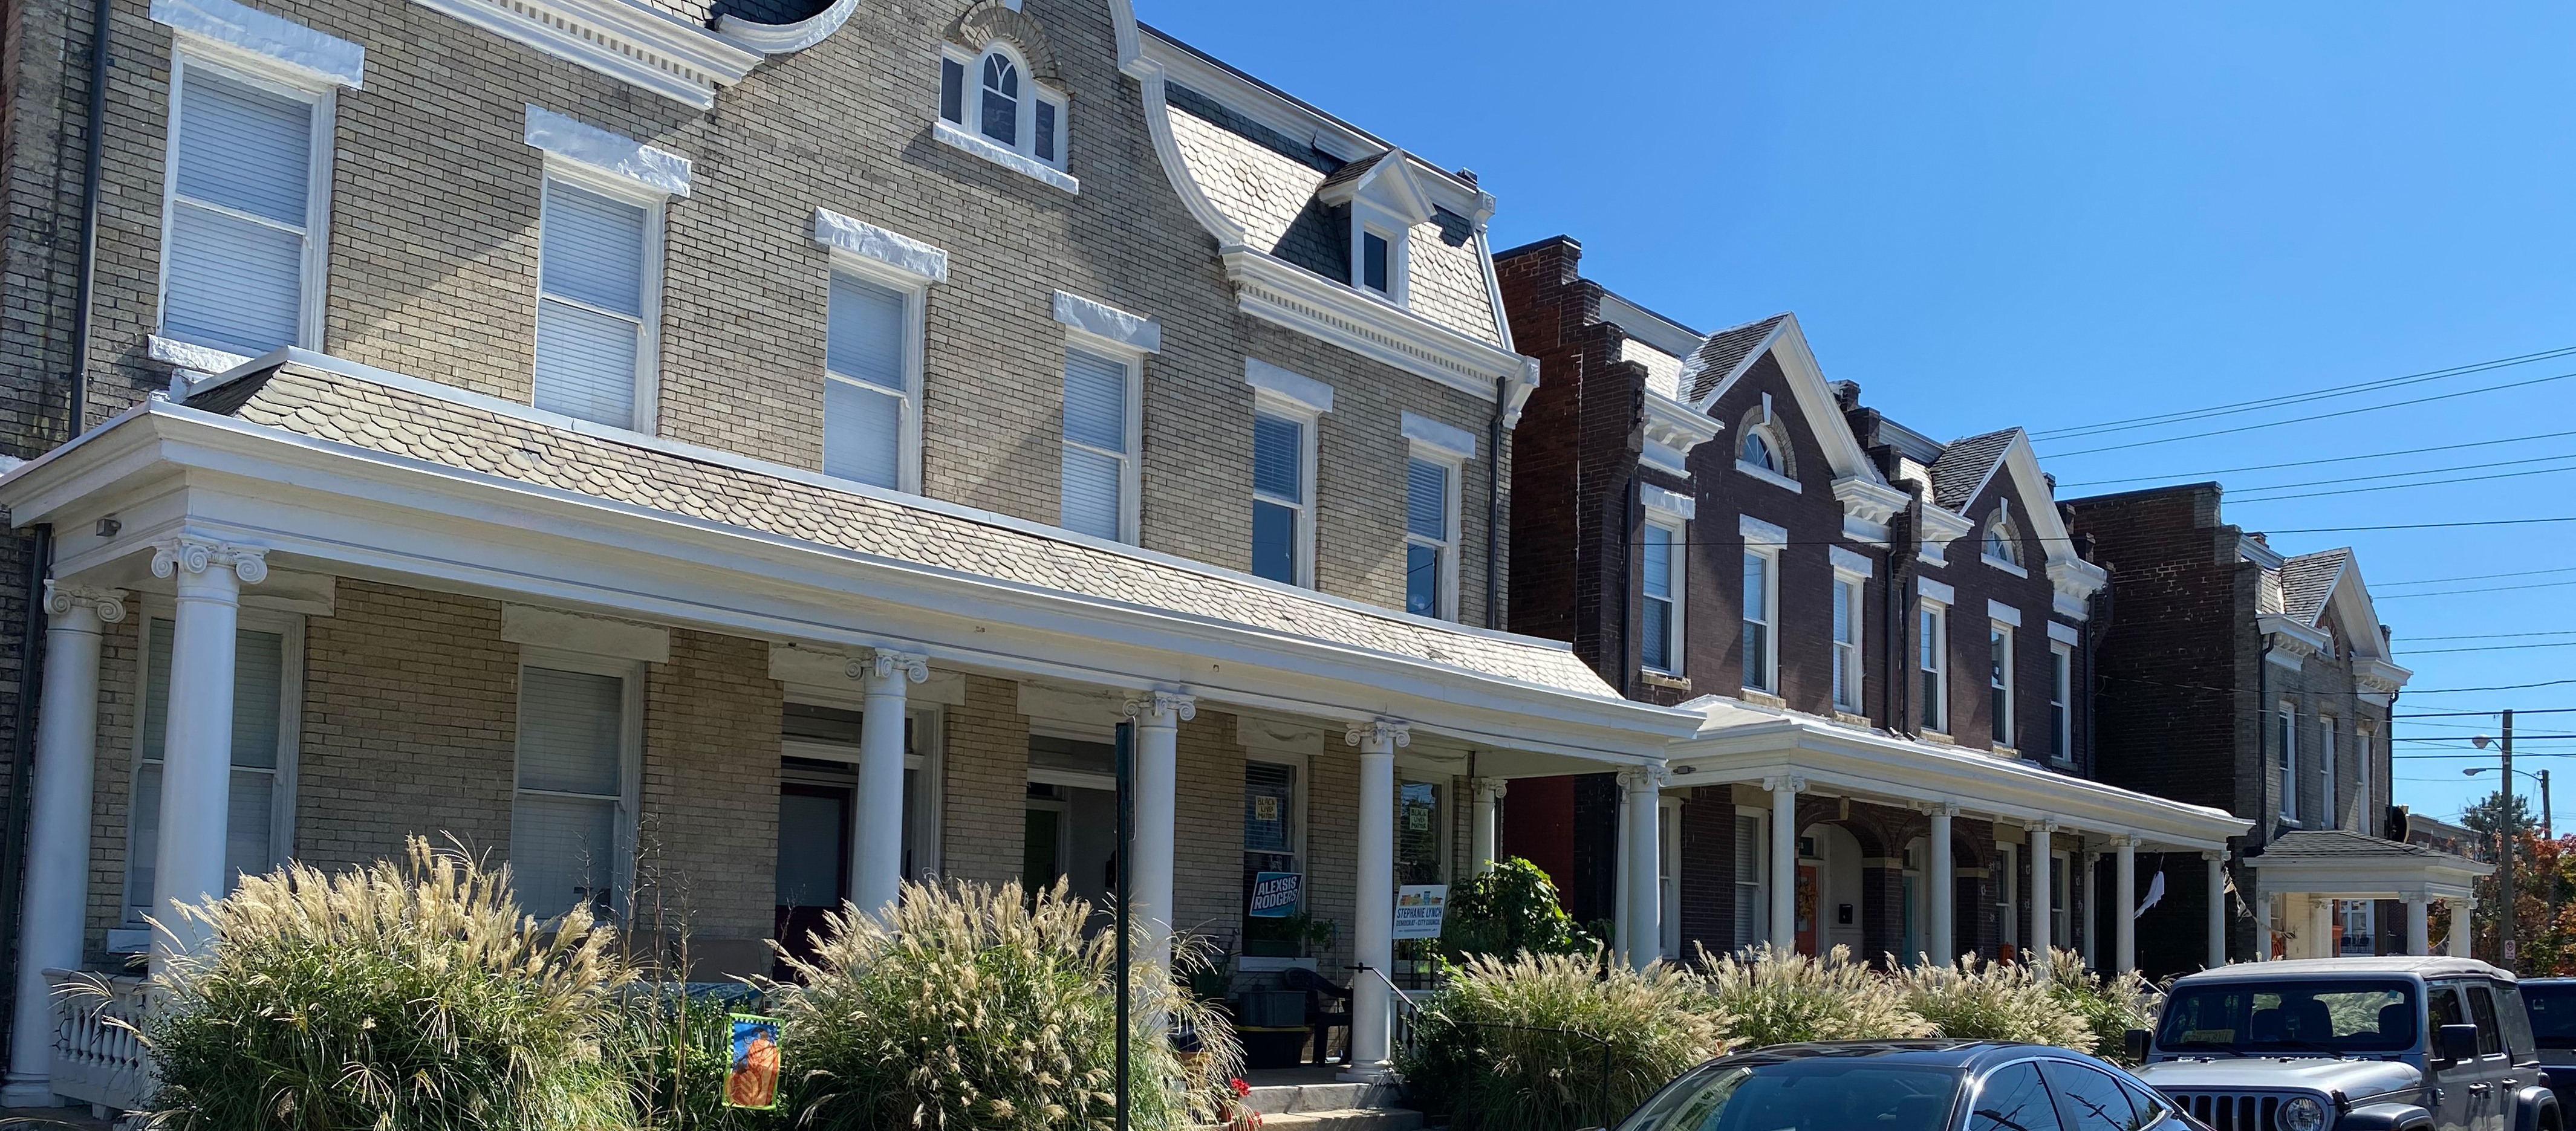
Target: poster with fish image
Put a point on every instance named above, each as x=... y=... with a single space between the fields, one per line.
x=752 y=1081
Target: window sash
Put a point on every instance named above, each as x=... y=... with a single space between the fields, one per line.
x=1658 y=647
x=2326 y=770
x=1930 y=652
x=1749 y=873
x=1375 y=253
x=1847 y=618
x=871 y=332
x=572 y=804
x=1099 y=433
x=1430 y=536
x=1999 y=679
x=261 y=807
x=2061 y=715
x=245 y=190
x=2288 y=760
x=1759 y=587
x=595 y=296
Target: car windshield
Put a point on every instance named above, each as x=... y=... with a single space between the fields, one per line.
x=1821 y=1093
x=2341 y=1016
x=2553 y=1013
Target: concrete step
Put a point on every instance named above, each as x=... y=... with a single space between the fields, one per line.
x=1291 y=1099
x=1345 y=1119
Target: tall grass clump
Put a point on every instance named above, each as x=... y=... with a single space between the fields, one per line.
x=979 y=1008
x=1992 y=1001
x=1524 y=1043
x=410 y=996
x=1770 y=998
x=2109 y=1006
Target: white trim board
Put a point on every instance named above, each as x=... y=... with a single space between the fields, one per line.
x=317 y=59
x=560 y=136
x=634 y=44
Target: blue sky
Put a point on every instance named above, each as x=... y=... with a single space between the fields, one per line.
x=2059 y=215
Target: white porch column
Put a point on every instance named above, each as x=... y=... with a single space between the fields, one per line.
x=1945 y=887
x=2216 y=862
x=1156 y=780
x=197 y=755
x=2263 y=927
x=2090 y=900
x=1784 y=860
x=1373 y=913
x=2460 y=928
x=2322 y=926
x=1641 y=935
x=2419 y=926
x=2124 y=913
x=876 y=841
x=1482 y=842
x=2042 y=834
x=56 y=897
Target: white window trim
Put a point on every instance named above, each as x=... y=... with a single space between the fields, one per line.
x=276 y=77
x=2326 y=752
x=1850 y=669
x=915 y=290
x=2285 y=759
x=1769 y=553
x=2365 y=748
x=1755 y=932
x=1368 y=219
x=1924 y=605
x=2012 y=535
x=1999 y=677
x=1766 y=475
x=630 y=749
x=1668 y=860
x=1764 y=423
x=1676 y=587
x=1131 y=470
x=1309 y=423
x=1453 y=465
x=1021 y=155
x=648 y=344
x=2062 y=657
x=2007 y=886
x=290 y=726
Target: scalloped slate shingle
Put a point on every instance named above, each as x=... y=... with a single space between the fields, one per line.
x=349 y=410
x=1722 y=352
x=1964 y=465
x=2308 y=579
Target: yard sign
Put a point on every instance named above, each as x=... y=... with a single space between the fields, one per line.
x=752 y=1081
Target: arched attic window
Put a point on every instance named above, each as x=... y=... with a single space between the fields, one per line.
x=993 y=94
x=1761 y=449
x=2002 y=542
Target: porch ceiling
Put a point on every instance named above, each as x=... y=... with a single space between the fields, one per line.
x=339 y=468
x=1738 y=742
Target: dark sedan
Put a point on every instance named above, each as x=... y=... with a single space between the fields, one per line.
x=1907 y=1086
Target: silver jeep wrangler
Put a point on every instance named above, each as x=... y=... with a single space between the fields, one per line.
x=2350 y=1044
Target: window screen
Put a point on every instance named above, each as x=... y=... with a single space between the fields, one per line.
x=590 y=313
x=238 y=220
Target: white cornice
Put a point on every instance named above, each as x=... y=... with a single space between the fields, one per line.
x=2076 y=581
x=1672 y=430
x=648 y=49
x=1941 y=527
x=2380 y=676
x=2299 y=639
x=1275 y=290
x=1868 y=506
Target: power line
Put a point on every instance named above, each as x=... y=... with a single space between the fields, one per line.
x=2463 y=714
x=2075 y=430
x=2070 y=538
x=2497 y=648
x=2466 y=738
x=2473 y=577
x=2403 y=486
x=2311 y=419
x=2488 y=589
x=2495 y=687
x=2495 y=635
x=2316 y=462
x=2417 y=471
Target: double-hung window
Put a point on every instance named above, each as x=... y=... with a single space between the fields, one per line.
x=244 y=230
x=1749 y=870
x=1761 y=611
x=1430 y=538
x=2365 y=748
x=2326 y=809
x=1282 y=503
x=573 y=813
x=2285 y=780
x=1847 y=622
x=1999 y=681
x=1099 y=444
x=1932 y=648
x=258 y=830
x=599 y=249
x=1659 y=644
x=872 y=363
x=2061 y=700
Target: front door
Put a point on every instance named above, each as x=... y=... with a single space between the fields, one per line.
x=813 y=861
x=1807 y=896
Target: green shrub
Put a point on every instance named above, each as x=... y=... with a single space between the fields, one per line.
x=978 y=1008
x=672 y=1048
x=401 y=997
x=2000 y=1001
x=1528 y=1043
x=1770 y=998
x=2109 y=1007
x=1507 y=909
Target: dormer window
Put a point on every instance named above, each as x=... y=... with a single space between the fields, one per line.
x=1385 y=200
x=993 y=94
x=2002 y=543
x=1375 y=251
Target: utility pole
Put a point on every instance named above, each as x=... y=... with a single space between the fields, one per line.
x=2505 y=890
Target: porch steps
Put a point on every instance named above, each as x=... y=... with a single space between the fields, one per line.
x=1335 y=1106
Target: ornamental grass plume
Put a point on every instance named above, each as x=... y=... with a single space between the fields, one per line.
x=397 y=997
x=1997 y=1001
x=1528 y=1043
x=981 y=1008
x=2109 y=1006
x=1772 y=998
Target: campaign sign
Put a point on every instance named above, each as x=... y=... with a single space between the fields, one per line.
x=1418 y=908
x=1275 y=895
x=752 y=1081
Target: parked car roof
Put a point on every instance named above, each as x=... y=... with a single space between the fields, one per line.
x=2426 y=966
x=1930 y=1053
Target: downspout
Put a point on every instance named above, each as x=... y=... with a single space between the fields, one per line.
x=13 y=826
x=1902 y=549
x=1494 y=504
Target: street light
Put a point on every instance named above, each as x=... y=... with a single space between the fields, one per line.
x=2546 y=828
x=2505 y=888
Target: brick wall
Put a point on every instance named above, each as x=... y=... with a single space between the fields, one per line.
x=1207 y=838
x=986 y=788
x=707 y=831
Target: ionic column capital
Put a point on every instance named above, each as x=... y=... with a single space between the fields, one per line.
x=62 y=599
x=2213 y=855
x=1387 y=733
x=1786 y=783
x=1948 y=809
x=187 y=553
x=1163 y=708
x=1490 y=789
x=1652 y=775
x=886 y=665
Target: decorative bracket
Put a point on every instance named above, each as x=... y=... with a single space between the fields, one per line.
x=197 y=555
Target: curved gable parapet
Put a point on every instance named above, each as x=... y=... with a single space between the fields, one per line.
x=788 y=36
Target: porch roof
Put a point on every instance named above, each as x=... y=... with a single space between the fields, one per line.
x=1740 y=741
x=334 y=408
x=2354 y=866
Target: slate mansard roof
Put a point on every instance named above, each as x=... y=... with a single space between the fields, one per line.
x=313 y=396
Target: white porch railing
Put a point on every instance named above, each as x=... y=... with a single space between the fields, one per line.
x=97 y=1058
